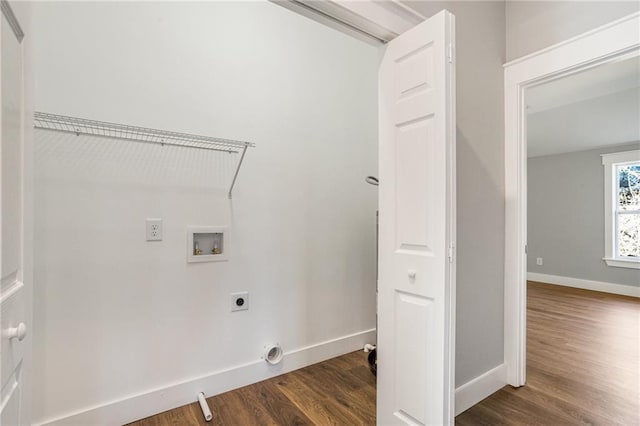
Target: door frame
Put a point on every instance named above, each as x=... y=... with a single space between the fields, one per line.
x=371 y=21
x=609 y=43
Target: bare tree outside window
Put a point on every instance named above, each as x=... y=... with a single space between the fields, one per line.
x=628 y=210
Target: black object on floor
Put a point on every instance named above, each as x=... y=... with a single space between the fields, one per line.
x=373 y=362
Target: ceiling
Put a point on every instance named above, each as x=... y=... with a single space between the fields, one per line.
x=592 y=109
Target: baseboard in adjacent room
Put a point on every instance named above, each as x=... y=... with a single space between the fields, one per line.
x=156 y=401
x=479 y=388
x=624 y=290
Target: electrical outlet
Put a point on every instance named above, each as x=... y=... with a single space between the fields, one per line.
x=154 y=229
x=539 y=261
x=240 y=301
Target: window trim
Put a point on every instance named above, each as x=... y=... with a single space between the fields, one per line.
x=610 y=162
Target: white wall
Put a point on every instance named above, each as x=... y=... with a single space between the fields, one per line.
x=534 y=25
x=117 y=316
x=480 y=178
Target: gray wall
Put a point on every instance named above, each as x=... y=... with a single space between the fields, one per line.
x=485 y=32
x=480 y=41
x=566 y=217
x=534 y=25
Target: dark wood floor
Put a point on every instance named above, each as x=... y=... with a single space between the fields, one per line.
x=340 y=391
x=583 y=363
x=583 y=367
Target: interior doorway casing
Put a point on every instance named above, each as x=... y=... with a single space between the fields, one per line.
x=612 y=42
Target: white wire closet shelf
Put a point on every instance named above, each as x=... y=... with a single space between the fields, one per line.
x=82 y=126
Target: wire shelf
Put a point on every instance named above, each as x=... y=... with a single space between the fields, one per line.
x=82 y=126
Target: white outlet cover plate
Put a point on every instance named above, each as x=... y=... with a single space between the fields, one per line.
x=154 y=229
x=235 y=296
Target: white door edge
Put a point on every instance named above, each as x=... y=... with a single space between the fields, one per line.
x=16 y=226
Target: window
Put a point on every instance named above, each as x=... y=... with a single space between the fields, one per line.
x=622 y=208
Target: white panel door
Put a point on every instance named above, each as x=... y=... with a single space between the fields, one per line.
x=417 y=226
x=12 y=290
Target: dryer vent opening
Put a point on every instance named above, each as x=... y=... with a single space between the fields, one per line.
x=273 y=354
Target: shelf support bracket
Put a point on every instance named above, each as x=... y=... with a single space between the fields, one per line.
x=235 y=175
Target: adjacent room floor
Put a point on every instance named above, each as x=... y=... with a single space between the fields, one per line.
x=583 y=366
x=583 y=355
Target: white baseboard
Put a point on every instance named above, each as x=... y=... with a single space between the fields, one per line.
x=155 y=401
x=479 y=388
x=624 y=290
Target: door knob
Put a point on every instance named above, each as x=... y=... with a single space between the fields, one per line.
x=19 y=332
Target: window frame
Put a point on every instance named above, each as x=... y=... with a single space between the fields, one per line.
x=611 y=163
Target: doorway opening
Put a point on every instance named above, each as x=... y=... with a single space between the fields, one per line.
x=288 y=261
x=609 y=43
x=583 y=187
x=606 y=44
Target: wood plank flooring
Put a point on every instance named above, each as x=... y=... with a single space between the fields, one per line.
x=583 y=363
x=340 y=391
x=583 y=355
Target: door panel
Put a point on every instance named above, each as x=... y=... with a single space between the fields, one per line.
x=417 y=226
x=11 y=81
x=414 y=187
x=10 y=405
x=412 y=356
